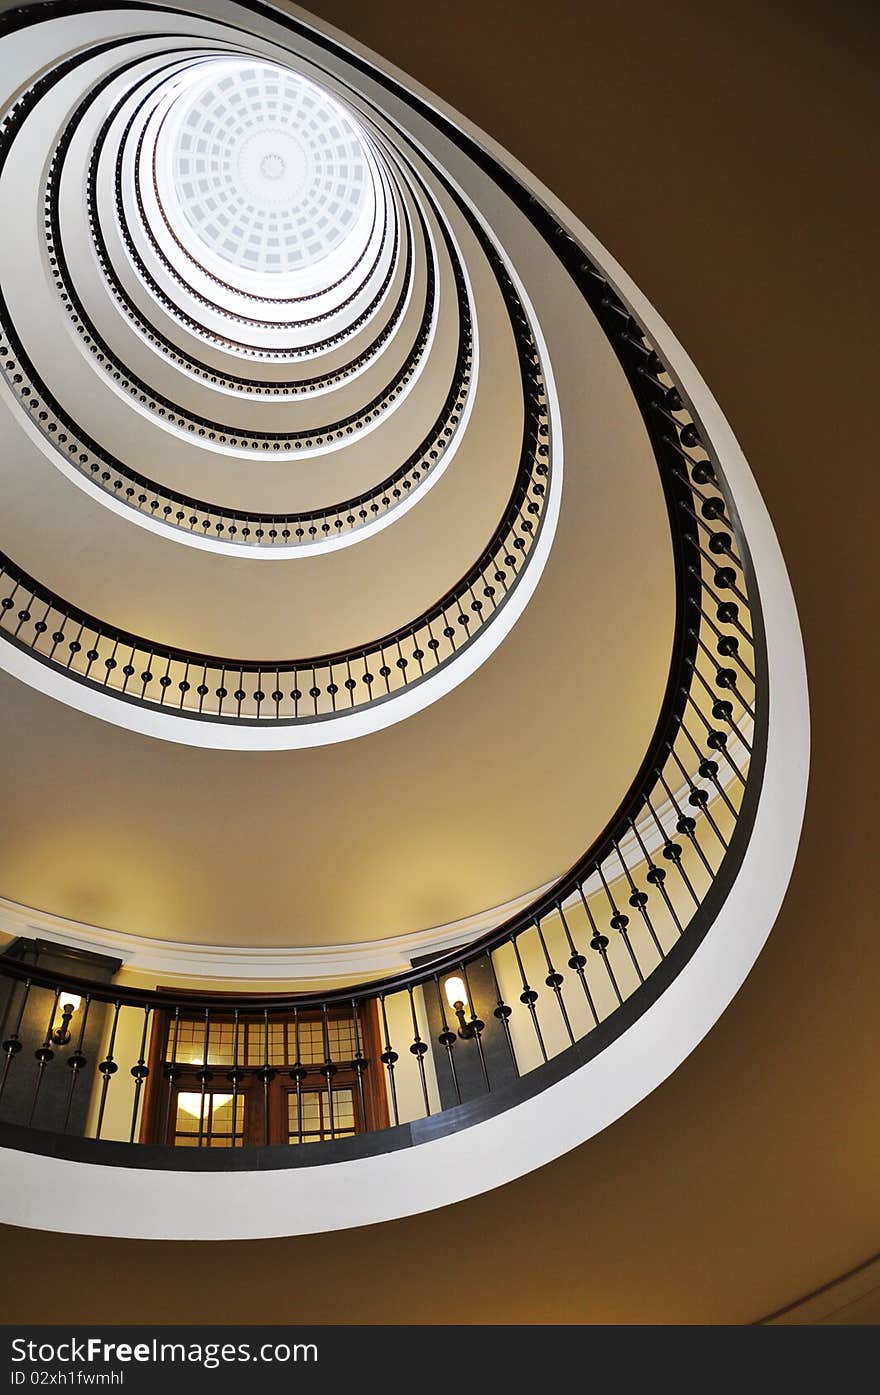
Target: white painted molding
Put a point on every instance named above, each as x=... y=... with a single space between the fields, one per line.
x=364 y=959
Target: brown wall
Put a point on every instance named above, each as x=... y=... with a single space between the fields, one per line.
x=727 y=155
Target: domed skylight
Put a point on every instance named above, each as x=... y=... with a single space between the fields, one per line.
x=268 y=171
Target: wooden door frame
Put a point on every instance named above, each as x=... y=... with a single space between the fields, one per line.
x=374 y=1116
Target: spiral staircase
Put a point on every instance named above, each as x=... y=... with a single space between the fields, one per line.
x=403 y=695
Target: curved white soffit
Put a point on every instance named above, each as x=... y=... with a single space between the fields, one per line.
x=81 y=1198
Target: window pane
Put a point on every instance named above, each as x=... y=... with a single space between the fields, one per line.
x=189 y=1034
x=214 y=1111
x=314 y=1117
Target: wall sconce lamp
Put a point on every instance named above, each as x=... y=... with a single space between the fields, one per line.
x=70 y=1003
x=456 y=997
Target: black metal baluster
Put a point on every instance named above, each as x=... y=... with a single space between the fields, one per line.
x=165 y=681
x=716 y=741
x=172 y=1072
x=296 y=1073
x=724 y=577
x=502 y=1012
x=656 y=876
x=267 y=1075
x=577 y=961
x=447 y=1040
x=475 y=1026
x=434 y=645
x=239 y=692
x=360 y=1061
x=672 y=851
x=128 y=670
x=638 y=900
x=146 y=675
x=418 y=1050
x=599 y=943
x=554 y=980
x=620 y=922
x=726 y=644
x=328 y=1070
x=111 y=663
x=722 y=710
x=388 y=1058
x=9 y=600
x=234 y=1076
x=686 y=825
x=727 y=612
x=75 y=1062
x=13 y=1044
x=44 y=1055
x=698 y=798
x=449 y=631
x=75 y=646
x=708 y=768
x=59 y=635
x=418 y=651
x=107 y=1069
x=140 y=1073
x=204 y=1075
x=726 y=678
x=529 y=997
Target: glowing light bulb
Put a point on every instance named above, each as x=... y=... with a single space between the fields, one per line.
x=456 y=993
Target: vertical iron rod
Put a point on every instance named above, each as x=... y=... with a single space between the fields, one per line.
x=75 y=1062
x=44 y=1055
x=389 y=1057
x=418 y=1050
x=108 y=1069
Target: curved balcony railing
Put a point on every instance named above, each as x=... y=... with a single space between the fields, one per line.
x=141 y=670
x=173 y=412
x=253 y=692
x=476 y=1029
x=182 y=511
x=156 y=290
x=208 y=1081
x=216 y=307
x=211 y=276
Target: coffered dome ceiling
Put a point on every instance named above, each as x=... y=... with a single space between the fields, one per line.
x=265 y=169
